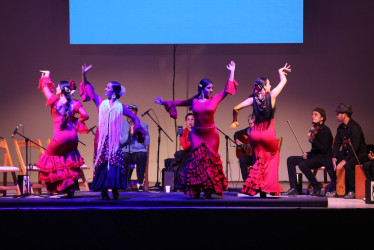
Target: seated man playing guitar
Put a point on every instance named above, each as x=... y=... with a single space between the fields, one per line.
x=243 y=149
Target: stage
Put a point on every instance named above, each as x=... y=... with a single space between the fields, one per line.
x=175 y=221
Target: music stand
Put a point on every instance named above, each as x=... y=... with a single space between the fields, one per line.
x=27 y=140
x=227 y=138
x=157 y=185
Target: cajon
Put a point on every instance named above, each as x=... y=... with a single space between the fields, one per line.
x=360 y=179
x=340 y=182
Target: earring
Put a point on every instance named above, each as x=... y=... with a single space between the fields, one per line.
x=113 y=96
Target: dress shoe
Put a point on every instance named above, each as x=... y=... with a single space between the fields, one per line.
x=197 y=195
x=70 y=194
x=317 y=189
x=208 y=195
x=104 y=195
x=331 y=194
x=291 y=191
x=115 y=194
x=350 y=195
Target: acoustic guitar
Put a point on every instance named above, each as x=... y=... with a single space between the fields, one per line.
x=244 y=149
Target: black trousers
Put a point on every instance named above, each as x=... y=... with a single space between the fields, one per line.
x=350 y=170
x=138 y=158
x=244 y=162
x=306 y=167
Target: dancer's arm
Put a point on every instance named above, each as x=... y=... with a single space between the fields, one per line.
x=138 y=129
x=283 y=80
x=231 y=84
x=87 y=91
x=45 y=84
x=80 y=126
x=247 y=102
x=170 y=106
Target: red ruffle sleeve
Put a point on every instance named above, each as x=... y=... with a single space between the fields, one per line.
x=231 y=87
x=86 y=91
x=46 y=82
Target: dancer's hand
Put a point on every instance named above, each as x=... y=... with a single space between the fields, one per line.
x=159 y=100
x=234 y=125
x=85 y=68
x=231 y=66
x=45 y=73
x=305 y=156
x=286 y=68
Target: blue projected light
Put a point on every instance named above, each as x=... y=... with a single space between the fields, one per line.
x=185 y=21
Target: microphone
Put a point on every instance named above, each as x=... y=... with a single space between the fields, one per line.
x=190 y=124
x=15 y=131
x=91 y=129
x=146 y=112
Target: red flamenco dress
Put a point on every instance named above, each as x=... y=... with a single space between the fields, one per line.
x=60 y=164
x=263 y=176
x=204 y=171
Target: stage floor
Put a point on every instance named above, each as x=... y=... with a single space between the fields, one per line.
x=159 y=220
x=159 y=199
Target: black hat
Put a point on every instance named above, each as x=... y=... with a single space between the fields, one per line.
x=132 y=106
x=344 y=108
x=322 y=112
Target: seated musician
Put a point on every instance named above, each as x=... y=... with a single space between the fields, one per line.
x=348 y=135
x=181 y=156
x=320 y=137
x=243 y=149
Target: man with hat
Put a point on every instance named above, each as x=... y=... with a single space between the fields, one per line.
x=348 y=132
x=320 y=155
x=134 y=152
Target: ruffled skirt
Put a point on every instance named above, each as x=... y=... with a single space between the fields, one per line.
x=108 y=177
x=203 y=172
x=60 y=172
x=263 y=175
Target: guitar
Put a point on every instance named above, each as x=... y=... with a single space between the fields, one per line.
x=244 y=149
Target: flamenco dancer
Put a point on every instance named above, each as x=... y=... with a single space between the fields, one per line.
x=204 y=171
x=60 y=164
x=263 y=176
x=109 y=162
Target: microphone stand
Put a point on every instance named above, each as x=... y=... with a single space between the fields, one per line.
x=27 y=143
x=227 y=150
x=157 y=185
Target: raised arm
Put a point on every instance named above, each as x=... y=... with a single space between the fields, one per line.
x=231 y=84
x=247 y=102
x=45 y=84
x=283 y=80
x=87 y=90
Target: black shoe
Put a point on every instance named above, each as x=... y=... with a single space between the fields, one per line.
x=104 y=195
x=291 y=191
x=350 y=195
x=317 y=189
x=115 y=194
x=208 y=195
x=197 y=196
x=70 y=195
x=140 y=188
x=262 y=194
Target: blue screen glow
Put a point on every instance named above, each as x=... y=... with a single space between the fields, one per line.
x=185 y=21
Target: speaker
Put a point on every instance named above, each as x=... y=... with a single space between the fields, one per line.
x=167 y=179
x=369 y=192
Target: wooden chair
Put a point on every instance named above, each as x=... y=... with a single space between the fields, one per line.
x=19 y=144
x=8 y=168
x=84 y=182
x=325 y=183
